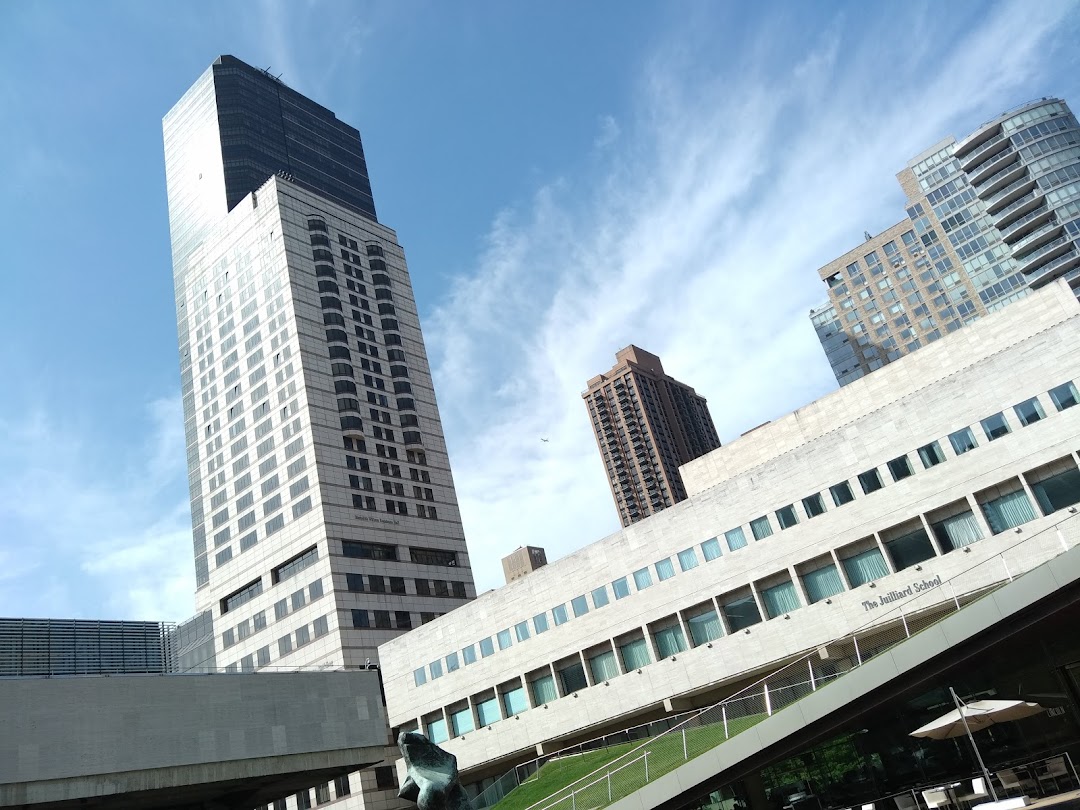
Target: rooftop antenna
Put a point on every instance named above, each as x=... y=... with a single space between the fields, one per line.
x=867 y=235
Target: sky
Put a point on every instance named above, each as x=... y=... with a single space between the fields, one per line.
x=566 y=179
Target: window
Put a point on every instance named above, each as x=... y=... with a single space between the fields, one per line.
x=786 y=516
x=360 y=618
x=600 y=597
x=504 y=639
x=540 y=623
x=909 y=549
x=303 y=800
x=436 y=730
x=514 y=701
x=1029 y=411
x=687 y=559
x=780 y=599
x=543 y=690
x=603 y=666
x=299 y=599
x=433 y=556
x=487 y=647
x=1064 y=396
x=900 y=468
x=642 y=579
x=761 y=528
x=634 y=654
x=579 y=605
x=814 y=505
x=461 y=721
x=284 y=646
x=710 y=549
x=956 y=531
x=341 y=787
x=741 y=612
x=558 y=613
x=620 y=588
x=962 y=441
x=294 y=565
x=303 y=636
x=870 y=481
x=735 y=539
x=245 y=594
x=841 y=493
x=487 y=712
x=1058 y=491
x=368 y=551
x=664 y=569
x=931 y=455
x=1008 y=511
x=436 y=670
x=385 y=778
x=865 y=567
x=669 y=641
x=821 y=583
x=419 y=676
x=468 y=655
x=521 y=630
x=704 y=627
x=995 y=426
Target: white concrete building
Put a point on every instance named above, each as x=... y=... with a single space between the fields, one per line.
x=904 y=484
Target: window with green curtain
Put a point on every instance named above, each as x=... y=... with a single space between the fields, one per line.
x=634 y=654
x=436 y=730
x=1057 y=491
x=760 y=527
x=487 y=712
x=1008 y=511
x=910 y=549
x=669 y=641
x=957 y=531
x=572 y=678
x=865 y=567
x=543 y=690
x=642 y=579
x=704 y=627
x=514 y=701
x=664 y=569
x=821 y=583
x=741 y=613
x=687 y=559
x=461 y=721
x=710 y=549
x=780 y=599
x=735 y=539
x=603 y=667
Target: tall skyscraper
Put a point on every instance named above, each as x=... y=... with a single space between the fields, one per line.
x=323 y=508
x=647 y=424
x=989 y=218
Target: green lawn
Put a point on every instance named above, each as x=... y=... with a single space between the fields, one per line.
x=665 y=754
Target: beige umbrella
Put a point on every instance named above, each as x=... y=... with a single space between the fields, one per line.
x=969 y=717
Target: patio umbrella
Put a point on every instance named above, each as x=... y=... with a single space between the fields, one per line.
x=974 y=716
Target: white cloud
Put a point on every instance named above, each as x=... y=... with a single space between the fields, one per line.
x=697 y=237
x=609 y=132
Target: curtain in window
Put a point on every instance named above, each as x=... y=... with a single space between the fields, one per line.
x=735 y=539
x=822 y=583
x=705 y=627
x=865 y=567
x=780 y=599
x=761 y=528
x=710 y=549
x=1008 y=511
x=669 y=641
x=642 y=578
x=487 y=712
x=635 y=654
x=543 y=690
x=957 y=531
x=1058 y=491
x=603 y=667
x=665 y=569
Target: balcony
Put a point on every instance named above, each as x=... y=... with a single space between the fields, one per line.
x=1009 y=172
x=1035 y=239
x=984 y=152
x=1019 y=207
x=1050 y=250
x=1010 y=193
x=1017 y=228
x=992 y=168
x=1051 y=270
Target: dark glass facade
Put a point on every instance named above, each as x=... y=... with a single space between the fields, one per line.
x=82 y=647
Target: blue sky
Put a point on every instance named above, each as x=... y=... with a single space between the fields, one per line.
x=566 y=178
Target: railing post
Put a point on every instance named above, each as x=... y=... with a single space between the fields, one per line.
x=1005 y=565
x=573 y=800
x=810 y=666
x=609 y=786
x=646 y=766
x=858 y=655
x=684 y=756
x=1061 y=539
x=903 y=618
x=952 y=585
x=723 y=713
x=768 y=703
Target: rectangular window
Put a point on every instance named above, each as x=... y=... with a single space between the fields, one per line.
x=284 y=646
x=295 y=564
x=487 y=647
x=931 y=455
x=634 y=654
x=603 y=667
x=761 y=528
x=1064 y=396
x=461 y=721
x=814 y=505
x=956 y=531
x=841 y=493
x=865 y=567
x=572 y=678
x=741 y=613
x=385 y=778
x=669 y=641
x=870 y=481
x=621 y=588
x=436 y=730
x=780 y=599
x=1029 y=411
x=436 y=670
x=822 y=583
x=1058 y=491
x=543 y=690
x=962 y=441
x=600 y=597
x=995 y=426
x=1008 y=511
x=687 y=559
x=710 y=549
x=360 y=618
x=514 y=701
x=487 y=712
x=368 y=551
x=354 y=582
x=665 y=569
x=735 y=539
x=433 y=556
x=642 y=579
x=704 y=627
x=786 y=516
x=504 y=639
x=468 y=654
x=900 y=468
x=540 y=623
x=521 y=630
x=558 y=613
x=579 y=605
x=910 y=549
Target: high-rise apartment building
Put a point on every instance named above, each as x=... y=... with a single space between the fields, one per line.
x=989 y=218
x=647 y=424
x=323 y=508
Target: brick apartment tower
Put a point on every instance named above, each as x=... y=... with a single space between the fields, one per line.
x=647 y=424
